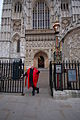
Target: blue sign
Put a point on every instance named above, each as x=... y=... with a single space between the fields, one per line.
x=72 y=75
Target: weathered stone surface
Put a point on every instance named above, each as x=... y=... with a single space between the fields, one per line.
x=72 y=45
x=19 y=26
x=38 y=107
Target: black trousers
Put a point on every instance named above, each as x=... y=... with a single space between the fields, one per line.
x=34 y=88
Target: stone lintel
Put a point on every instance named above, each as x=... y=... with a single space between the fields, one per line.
x=40 y=32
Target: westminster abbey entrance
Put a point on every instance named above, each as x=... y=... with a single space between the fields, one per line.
x=41 y=60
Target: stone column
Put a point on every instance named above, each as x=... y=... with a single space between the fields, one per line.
x=32 y=54
x=22 y=49
x=49 y=55
x=22 y=42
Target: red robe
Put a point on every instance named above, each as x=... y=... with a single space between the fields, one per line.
x=35 y=77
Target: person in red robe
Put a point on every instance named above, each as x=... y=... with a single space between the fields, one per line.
x=32 y=74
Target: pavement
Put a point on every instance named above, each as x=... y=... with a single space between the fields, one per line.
x=39 y=107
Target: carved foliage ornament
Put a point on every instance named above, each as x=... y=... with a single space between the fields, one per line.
x=65 y=22
x=39 y=44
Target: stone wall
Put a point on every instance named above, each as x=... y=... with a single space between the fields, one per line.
x=4 y=50
x=71 y=46
x=33 y=41
x=39 y=48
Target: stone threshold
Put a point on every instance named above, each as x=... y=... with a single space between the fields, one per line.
x=66 y=94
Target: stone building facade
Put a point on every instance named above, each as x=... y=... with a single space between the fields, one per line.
x=27 y=30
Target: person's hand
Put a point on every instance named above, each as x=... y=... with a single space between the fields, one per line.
x=38 y=72
x=21 y=77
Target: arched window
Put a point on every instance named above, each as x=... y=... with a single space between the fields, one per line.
x=18 y=7
x=64 y=5
x=41 y=17
x=18 y=46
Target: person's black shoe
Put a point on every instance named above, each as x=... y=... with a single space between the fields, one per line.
x=33 y=93
x=37 y=90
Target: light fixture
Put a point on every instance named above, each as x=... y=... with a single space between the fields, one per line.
x=56 y=27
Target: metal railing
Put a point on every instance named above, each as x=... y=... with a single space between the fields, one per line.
x=67 y=78
x=10 y=74
x=50 y=78
x=67 y=82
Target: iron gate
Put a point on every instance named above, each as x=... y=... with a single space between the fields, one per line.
x=10 y=74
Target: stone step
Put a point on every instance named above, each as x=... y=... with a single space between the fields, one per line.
x=66 y=94
x=43 y=81
x=43 y=92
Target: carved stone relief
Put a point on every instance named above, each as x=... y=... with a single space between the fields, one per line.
x=39 y=44
x=17 y=25
x=65 y=23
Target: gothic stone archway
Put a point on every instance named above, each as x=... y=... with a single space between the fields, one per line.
x=41 y=60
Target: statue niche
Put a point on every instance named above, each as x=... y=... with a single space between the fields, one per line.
x=17 y=25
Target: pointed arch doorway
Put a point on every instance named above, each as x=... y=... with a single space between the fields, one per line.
x=41 y=60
